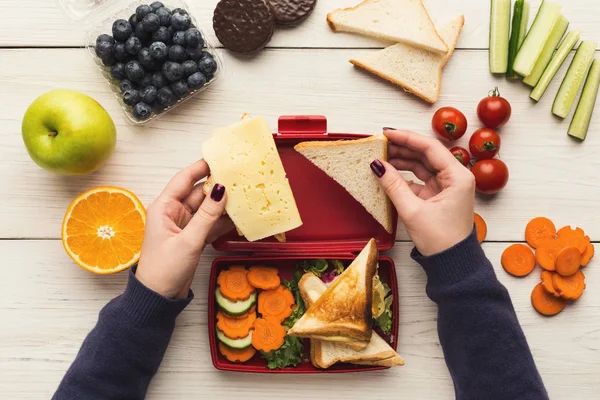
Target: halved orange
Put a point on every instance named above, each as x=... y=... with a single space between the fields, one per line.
x=103 y=229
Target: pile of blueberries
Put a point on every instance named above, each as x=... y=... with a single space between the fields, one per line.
x=157 y=56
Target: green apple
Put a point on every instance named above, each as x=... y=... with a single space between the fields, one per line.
x=68 y=132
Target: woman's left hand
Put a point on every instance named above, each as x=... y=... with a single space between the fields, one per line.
x=179 y=223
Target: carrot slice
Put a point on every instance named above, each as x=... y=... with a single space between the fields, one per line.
x=574 y=237
x=546 y=253
x=235 y=328
x=235 y=355
x=569 y=287
x=276 y=304
x=587 y=254
x=545 y=303
x=265 y=278
x=548 y=284
x=568 y=261
x=480 y=227
x=518 y=260
x=233 y=283
x=268 y=334
x=538 y=230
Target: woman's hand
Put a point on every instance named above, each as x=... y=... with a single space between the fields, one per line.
x=439 y=213
x=179 y=223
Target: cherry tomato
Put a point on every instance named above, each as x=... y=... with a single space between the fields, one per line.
x=461 y=154
x=490 y=175
x=484 y=144
x=449 y=123
x=494 y=111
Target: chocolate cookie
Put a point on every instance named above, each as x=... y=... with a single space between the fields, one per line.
x=243 y=26
x=291 y=12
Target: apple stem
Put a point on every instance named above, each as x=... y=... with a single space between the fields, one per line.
x=53 y=134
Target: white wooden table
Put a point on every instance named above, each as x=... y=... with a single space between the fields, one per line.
x=47 y=304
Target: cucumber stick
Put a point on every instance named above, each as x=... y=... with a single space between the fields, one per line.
x=517 y=36
x=574 y=78
x=499 y=32
x=583 y=113
x=536 y=38
x=553 y=41
x=557 y=60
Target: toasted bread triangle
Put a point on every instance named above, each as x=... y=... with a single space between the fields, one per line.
x=343 y=312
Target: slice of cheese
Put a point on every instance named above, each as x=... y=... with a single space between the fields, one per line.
x=244 y=159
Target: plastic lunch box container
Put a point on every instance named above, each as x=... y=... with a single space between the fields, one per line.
x=335 y=226
x=99 y=16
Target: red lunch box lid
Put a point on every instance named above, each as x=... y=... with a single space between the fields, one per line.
x=333 y=221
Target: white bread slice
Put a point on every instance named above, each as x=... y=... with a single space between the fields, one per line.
x=348 y=163
x=415 y=70
x=343 y=312
x=397 y=21
x=325 y=354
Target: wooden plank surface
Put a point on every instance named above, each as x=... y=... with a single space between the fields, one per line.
x=551 y=174
x=43 y=23
x=49 y=305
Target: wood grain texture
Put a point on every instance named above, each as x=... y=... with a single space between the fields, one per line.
x=43 y=23
x=551 y=174
x=48 y=305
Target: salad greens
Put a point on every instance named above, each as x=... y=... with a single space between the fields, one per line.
x=316 y=267
x=384 y=321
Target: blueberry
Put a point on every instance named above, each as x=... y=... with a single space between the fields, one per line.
x=194 y=53
x=177 y=53
x=145 y=57
x=159 y=80
x=121 y=30
x=133 y=45
x=165 y=97
x=151 y=22
x=142 y=11
x=179 y=38
x=189 y=67
x=193 y=38
x=164 y=15
x=105 y=38
x=159 y=51
x=149 y=94
x=196 y=81
x=146 y=81
x=142 y=34
x=134 y=70
x=142 y=111
x=172 y=71
x=180 y=21
x=125 y=85
x=207 y=64
x=156 y=5
x=109 y=60
x=117 y=71
x=180 y=10
x=105 y=49
x=133 y=21
x=121 y=53
x=180 y=88
x=162 y=35
x=131 y=97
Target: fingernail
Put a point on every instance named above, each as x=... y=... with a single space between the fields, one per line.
x=386 y=128
x=217 y=192
x=378 y=168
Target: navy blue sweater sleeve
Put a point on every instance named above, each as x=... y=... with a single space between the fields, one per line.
x=122 y=353
x=484 y=346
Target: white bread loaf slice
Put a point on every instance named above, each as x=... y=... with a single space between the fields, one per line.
x=415 y=70
x=348 y=163
x=397 y=21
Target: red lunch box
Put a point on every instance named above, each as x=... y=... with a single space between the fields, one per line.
x=335 y=226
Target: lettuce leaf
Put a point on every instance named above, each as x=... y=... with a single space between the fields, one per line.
x=384 y=321
x=317 y=267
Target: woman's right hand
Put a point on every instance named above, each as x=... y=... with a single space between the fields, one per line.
x=438 y=213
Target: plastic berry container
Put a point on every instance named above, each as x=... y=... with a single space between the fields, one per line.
x=99 y=16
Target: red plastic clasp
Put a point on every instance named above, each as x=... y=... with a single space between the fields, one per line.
x=302 y=125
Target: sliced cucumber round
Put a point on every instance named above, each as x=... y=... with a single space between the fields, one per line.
x=235 y=308
x=238 y=344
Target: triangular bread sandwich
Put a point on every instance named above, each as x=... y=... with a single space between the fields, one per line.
x=243 y=157
x=397 y=21
x=416 y=70
x=348 y=163
x=343 y=313
x=324 y=354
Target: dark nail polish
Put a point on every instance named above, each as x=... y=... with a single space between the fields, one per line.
x=385 y=128
x=378 y=168
x=217 y=192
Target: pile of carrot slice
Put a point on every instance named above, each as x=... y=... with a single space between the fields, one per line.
x=561 y=254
